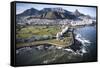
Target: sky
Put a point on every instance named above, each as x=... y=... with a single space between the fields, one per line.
x=21 y=7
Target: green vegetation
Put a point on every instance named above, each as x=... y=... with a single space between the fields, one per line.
x=34 y=35
x=65 y=42
x=28 y=31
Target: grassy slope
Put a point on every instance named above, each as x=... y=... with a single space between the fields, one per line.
x=37 y=30
x=29 y=31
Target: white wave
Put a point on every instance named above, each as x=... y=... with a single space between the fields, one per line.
x=70 y=50
x=81 y=39
x=84 y=50
x=59 y=47
x=87 y=41
x=84 y=44
x=78 y=52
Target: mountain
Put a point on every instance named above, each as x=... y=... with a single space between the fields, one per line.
x=77 y=13
x=52 y=13
x=29 y=12
x=56 y=13
x=81 y=15
x=53 y=10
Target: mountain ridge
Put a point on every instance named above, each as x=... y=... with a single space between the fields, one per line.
x=52 y=13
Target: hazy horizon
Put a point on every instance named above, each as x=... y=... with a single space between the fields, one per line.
x=21 y=7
